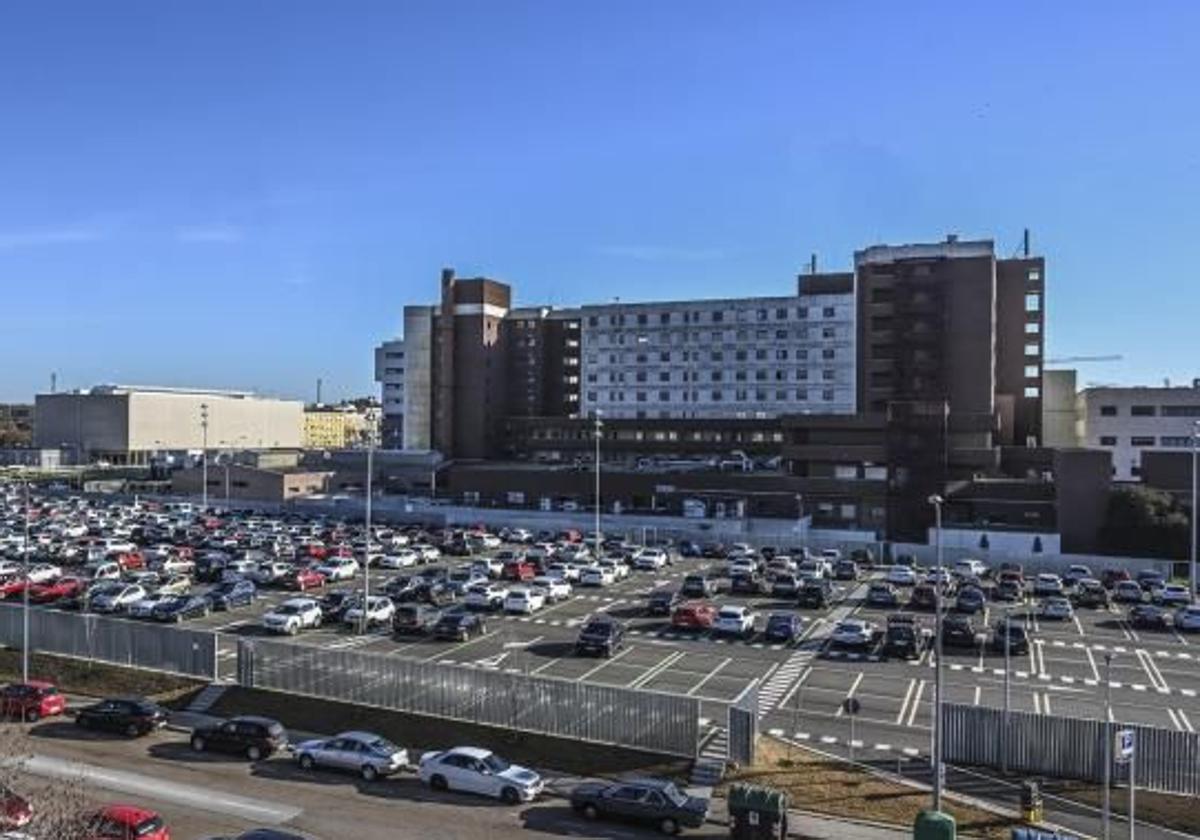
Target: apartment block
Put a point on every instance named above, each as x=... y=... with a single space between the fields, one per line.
x=1129 y=422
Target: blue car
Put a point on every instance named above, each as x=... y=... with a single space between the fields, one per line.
x=970 y=600
x=230 y=594
x=783 y=627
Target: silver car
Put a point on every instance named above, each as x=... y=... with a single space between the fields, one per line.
x=365 y=753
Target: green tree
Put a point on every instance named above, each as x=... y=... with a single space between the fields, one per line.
x=1143 y=522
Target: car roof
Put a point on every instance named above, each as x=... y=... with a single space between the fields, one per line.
x=360 y=735
x=472 y=752
x=265 y=721
x=127 y=813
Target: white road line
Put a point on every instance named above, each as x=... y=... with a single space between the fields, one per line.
x=1046 y=703
x=1037 y=703
x=907 y=696
x=461 y=645
x=1174 y=719
x=1183 y=718
x=795 y=687
x=709 y=676
x=853 y=686
x=1078 y=624
x=1092 y=662
x=978 y=692
x=649 y=675
x=916 y=703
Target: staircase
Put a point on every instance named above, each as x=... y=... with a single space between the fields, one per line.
x=204 y=701
x=709 y=768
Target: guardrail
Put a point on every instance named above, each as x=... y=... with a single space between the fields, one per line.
x=661 y=723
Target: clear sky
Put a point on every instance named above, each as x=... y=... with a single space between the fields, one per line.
x=245 y=194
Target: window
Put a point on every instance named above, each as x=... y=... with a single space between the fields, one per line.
x=827 y=354
x=641 y=396
x=828 y=332
x=718 y=336
x=827 y=395
x=641 y=376
x=1142 y=411
x=780 y=375
x=1033 y=392
x=762 y=314
x=1181 y=411
x=717 y=356
x=1108 y=411
x=1032 y=328
x=740 y=355
x=718 y=317
x=640 y=358
x=801 y=354
x=1175 y=441
x=593 y=321
x=664 y=376
x=741 y=394
x=641 y=318
x=591 y=395
x=802 y=374
x=1033 y=303
x=828 y=312
x=1108 y=440
x=781 y=335
x=1032 y=350
x=740 y=376
x=761 y=335
x=664 y=356
x=664 y=317
x=1032 y=371
x=781 y=355
x=1033 y=275
x=760 y=376
x=827 y=375
x=801 y=394
x=760 y=354
x=780 y=314
x=760 y=396
x=716 y=396
x=1141 y=441
x=717 y=376
x=780 y=396
x=802 y=312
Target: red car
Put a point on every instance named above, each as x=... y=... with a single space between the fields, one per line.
x=131 y=560
x=128 y=822
x=32 y=700
x=306 y=579
x=12 y=585
x=317 y=552
x=15 y=810
x=520 y=571
x=694 y=615
x=64 y=587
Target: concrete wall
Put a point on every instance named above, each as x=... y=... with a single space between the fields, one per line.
x=160 y=420
x=418 y=377
x=83 y=422
x=1058 y=408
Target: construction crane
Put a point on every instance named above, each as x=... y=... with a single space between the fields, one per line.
x=1071 y=360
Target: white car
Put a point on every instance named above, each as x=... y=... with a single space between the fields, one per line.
x=401 y=559
x=901 y=576
x=177 y=566
x=486 y=597
x=734 y=621
x=145 y=607
x=9 y=567
x=853 y=632
x=428 y=553
x=473 y=770
x=44 y=573
x=380 y=610
x=934 y=577
x=1171 y=595
x=339 y=568
x=1047 y=584
x=270 y=572
x=556 y=589
x=650 y=559
x=119 y=599
x=743 y=566
x=596 y=576
x=524 y=601
x=520 y=535
x=618 y=568
x=1187 y=618
x=488 y=567
x=970 y=567
x=292 y=616
x=566 y=571
x=1056 y=607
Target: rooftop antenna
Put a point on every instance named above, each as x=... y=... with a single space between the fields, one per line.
x=1025 y=243
x=53 y=382
x=812 y=264
x=318 y=390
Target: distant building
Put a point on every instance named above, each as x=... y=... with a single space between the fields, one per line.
x=123 y=424
x=1128 y=422
x=342 y=426
x=1059 y=420
x=243 y=483
x=16 y=424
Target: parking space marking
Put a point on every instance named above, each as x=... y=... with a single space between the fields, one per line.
x=461 y=645
x=916 y=703
x=1078 y=624
x=841 y=710
x=1183 y=719
x=709 y=676
x=666 y=663
x=1148 y=664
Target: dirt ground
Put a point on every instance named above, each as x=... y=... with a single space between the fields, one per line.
x=815 y=783
x=1181 y=813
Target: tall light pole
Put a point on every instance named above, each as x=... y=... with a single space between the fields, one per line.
x=1007 y=685
x=1195 y=485
x=1108 y=742
x=936 y=759
x=25 y=595
x=204 y=456
x=599 y=430
x=800 y=517
x=362 y=627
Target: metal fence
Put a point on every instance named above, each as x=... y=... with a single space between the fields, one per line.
x=743 y=727
x=1071 y=748
x=645 y=720
x=115 y=641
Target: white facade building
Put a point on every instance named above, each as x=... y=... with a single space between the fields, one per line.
x=738 y=357
x=403 y=367
x=1127 y=421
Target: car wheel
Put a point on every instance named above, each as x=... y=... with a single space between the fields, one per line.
x=307 y=762
x=317 y=622
x=254 y=753
x=509 y=796
x=591 y=812
x=369 y=773
x=32 y=715
x=131 y=730
x=668 y=826
x=198 y=743
x=438 y=782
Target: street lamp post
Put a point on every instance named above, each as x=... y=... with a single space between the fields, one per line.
x=25 y=595
x=1195 y=487
x=362 y=629
x=204 y=455
x=1007 y=685
x=936 y=759
x=599 y=430
x=1108 y=743
x=800 y=518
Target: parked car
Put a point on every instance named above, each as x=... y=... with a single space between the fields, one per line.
x=118 y=598
x=748 y=583
x=651 y=559
x=1075 y=573
x=126 y=822
x=662 y=602
x=698 y=586
x=132 y=716
x=1187 y=619
x=694 y=615
x=554 y=589
x=783 y=627
x=1056 y=608
x=786 y=585
x=1090 y=593
x=270 y=573
x=1111 y=577
x=923 y=597
x=649 y=801
x=415 y=619
x=400 y=559
x=292 y=616
x=378 y=611
x=1128 y=592
x=1172 y=595
x=145 y=607
x=1047 y=584
x=734 y=620
x=600 y=634
x=31 y=701
x=853 y=632
x=900 y=636
x=459 y=626
x=970 y=567
x=815 y=593
x=520 y=570
x=958 y=631
x=175 y=585
x=1009 y=591
x=15 y=812
x=845 y=570
x=880 y=594
x=365 y=753
x=231 y=593
x=524 y=600
x=488 y=596
x=970 y=600
x=1011 y=635
x=597 y=575
x=63 y=588
x=250 y=735
x=901 y=576
x=304 y=578
x=339 y=568
x=479 y=771
x=179 y=607
x=1149 y=579
x=1149 y=617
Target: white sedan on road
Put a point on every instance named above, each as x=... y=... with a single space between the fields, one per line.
x=901 y=576
x=556 y=589
x=1056 y=608
x=292 y=616
x=380 y=610
x=401 y=559
x=734 y=621
x=650 y=559
x=524 y=601
x=339 y=568
x=486 y=597
x=473 y=770
x=596 y=576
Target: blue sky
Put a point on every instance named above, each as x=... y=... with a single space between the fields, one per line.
x=246 y=194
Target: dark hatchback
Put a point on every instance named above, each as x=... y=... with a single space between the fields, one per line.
x=650 y=802
x=958 y=631
x=698 y=586
x=180 y=607
x=459 y=626
x=1149 y=617
x=249 y=735
x=901 y=638
x=131 y=716
x=783 y=627
x=747 y=584
x=662 y=602
x=815 y=593
x=415 y=619
x=230 y=594
x=1018 y=639
x=602 y=636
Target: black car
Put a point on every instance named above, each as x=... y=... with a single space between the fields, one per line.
x=923 y=597
x=1090 y=593
x=650 y=801
x=230 y=594
x=404 y=589
x=603 y=636
x=901 y=637
x=1150 y=579
x=1017 y=638
x=418 y=619
x=882 y=595
x=816 y=593
x=132 y=716
x=783 y=627
x=459 y=626
x=1007 y=591
x=249 y=735
x=179 y=607
x=335 y=604
x=1148 y=617
x=786 y=585
x=747 y=584
x=712 y=551
x=958 y=631
x=687 y=548
x=663 y=602
x=970 y=600
x=845 y=570
x=697 y=586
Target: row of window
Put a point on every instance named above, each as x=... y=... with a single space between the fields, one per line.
x=1169 y=441
x=1153 y=411
x=781 y=354
x=800 y=375
x=739 y=395
x=715 y=316
x=620 y=337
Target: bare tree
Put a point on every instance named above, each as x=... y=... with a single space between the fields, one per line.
x=61 y=808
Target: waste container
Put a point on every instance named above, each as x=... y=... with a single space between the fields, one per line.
x=757 y=813
x=934 y=825
x=1031 y=801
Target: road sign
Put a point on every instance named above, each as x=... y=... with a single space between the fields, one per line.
x=1124 y=745
x=851 y=706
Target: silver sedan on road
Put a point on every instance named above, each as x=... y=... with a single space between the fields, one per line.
x=365 y=753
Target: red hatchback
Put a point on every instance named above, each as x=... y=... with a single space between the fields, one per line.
x=694 y=615
x=32 y=700
x=128 y=822
x=305 y=579
x=11 y=586
x=519 y=570
x=64 y=587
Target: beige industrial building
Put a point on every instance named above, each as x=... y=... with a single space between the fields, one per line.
x=234 y=481
x=133 y=424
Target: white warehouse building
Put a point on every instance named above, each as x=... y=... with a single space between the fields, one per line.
x=1127 y=421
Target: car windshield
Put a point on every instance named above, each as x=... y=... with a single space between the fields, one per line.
x=598 y=628
x=673 y=795
x=495 y=763
x=382 y=745
x=287 y=609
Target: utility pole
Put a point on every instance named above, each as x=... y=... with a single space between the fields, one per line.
x=1108 y=743
x=1195 y=487
x=367 y=547
x=25 y=596
x=936 y=759
x=1007 y=685
x=204 y=456
x=800 y=517
x=599 y=431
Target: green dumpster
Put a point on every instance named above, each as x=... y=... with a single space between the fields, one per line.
x=934 y=825
x=757 y=813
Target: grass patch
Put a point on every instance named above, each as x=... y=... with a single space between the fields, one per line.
x=97 y=679
x=828 y=786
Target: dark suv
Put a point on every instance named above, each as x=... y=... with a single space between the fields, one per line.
x=697 y=586
x=415 y=619
x=249 y=735
x=747 y=584
x=901 y=637
x=815 y=592
x=601 y=636
x=130 y=716
x=662 y=602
